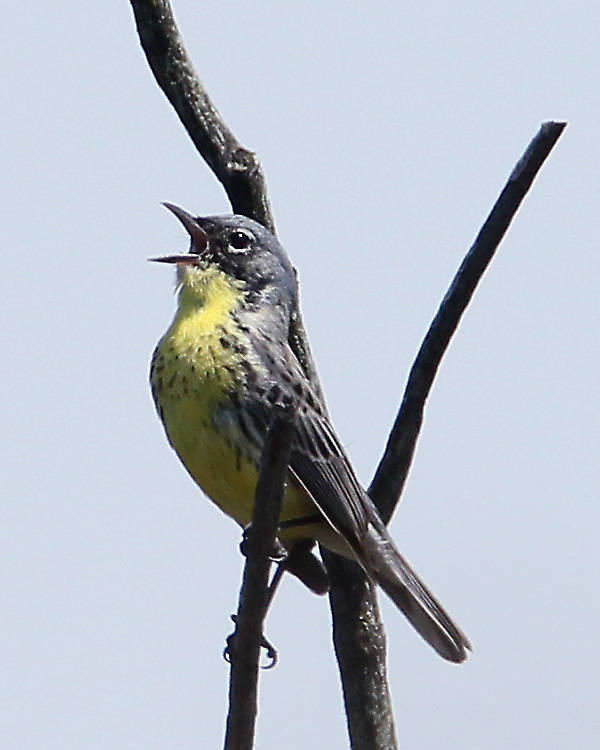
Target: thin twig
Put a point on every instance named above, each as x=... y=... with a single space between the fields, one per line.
x=389 y=479
x=244 y=646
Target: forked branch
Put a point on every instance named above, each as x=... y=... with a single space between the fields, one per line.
x=358 y=633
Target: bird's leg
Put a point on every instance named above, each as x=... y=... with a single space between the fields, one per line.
x=275 y=581
x=299 y=561
x=278 y=554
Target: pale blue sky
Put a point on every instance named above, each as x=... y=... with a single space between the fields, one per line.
x=386 y=132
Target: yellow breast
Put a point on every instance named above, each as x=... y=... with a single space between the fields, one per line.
x=200 y=360
x=196 y=364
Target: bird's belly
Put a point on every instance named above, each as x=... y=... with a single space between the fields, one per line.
x=226 y=476
x=224 y=471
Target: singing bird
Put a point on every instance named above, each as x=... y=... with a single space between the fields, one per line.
x=215 y=375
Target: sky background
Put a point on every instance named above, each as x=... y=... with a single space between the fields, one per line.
x=386 y=131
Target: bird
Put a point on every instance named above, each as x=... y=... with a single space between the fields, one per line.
x=215 y=375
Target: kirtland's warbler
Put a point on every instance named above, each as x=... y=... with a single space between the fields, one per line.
x=215 y=374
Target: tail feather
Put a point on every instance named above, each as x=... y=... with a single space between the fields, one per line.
x=399 y=581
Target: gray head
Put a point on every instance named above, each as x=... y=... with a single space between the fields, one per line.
x=241 y=248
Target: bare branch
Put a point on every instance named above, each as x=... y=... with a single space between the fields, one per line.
x=244 y=646
x=236 y=168
x=389 y=479
x=357 y=632
x=360 y=646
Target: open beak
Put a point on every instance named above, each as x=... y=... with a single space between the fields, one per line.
x=189 y=259
x=200 y=239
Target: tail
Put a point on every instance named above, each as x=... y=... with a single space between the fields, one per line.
x=390 y=570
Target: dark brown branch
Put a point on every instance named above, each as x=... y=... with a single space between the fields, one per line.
x=244 y=646
x=357 y=631
x=236 y=168
x=389 y=479
x=360 y=647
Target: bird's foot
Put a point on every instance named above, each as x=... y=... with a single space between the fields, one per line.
x=229 y=650
x=278 y=552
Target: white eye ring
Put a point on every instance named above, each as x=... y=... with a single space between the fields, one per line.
x=240 y=240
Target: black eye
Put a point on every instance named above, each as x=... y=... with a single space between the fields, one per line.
x=240 y=240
